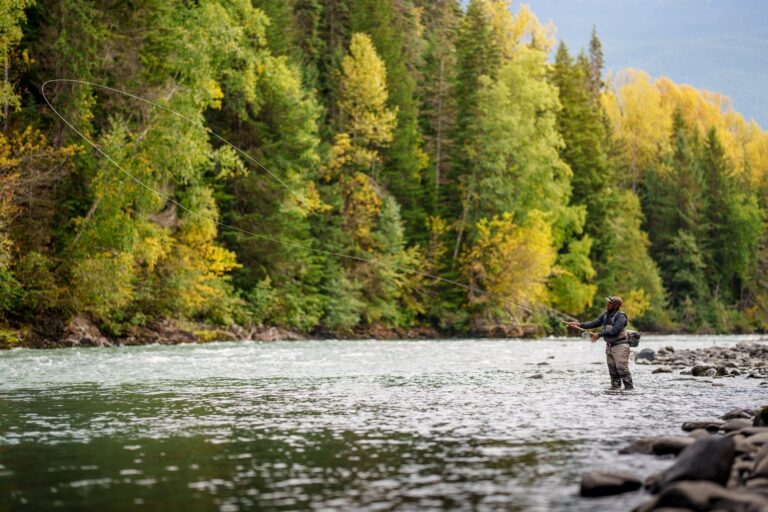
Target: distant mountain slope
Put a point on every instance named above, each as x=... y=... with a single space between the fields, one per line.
x=719 y=45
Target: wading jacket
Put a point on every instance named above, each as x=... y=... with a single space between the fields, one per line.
x=614 y=326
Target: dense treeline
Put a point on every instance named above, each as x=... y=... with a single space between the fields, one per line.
x=414 y=136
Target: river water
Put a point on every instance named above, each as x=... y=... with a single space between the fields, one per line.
x=328 y=425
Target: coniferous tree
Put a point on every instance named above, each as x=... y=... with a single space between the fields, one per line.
x=437 y=92
x=395 y=29
x=595 y=66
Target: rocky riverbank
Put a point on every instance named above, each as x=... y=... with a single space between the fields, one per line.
x=748 y=359
x=81 y=332
x=721 y=465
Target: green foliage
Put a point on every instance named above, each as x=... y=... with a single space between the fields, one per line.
x=571 y=288
x=394 y=139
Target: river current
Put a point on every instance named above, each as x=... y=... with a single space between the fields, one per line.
x=338 y=425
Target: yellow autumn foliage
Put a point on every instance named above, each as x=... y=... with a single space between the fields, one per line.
x=365 y=119
x=511 y=260
x=362 y=205
x=640 y=112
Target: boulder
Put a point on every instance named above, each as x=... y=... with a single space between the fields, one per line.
x=758 y=439
x=741 y=445
x=608 y=483
x=82 y=332
x=647 y=354
x=756 y=482
x=699 y=433
x=761 y=463
x=738 y=413
x=712 y=426
x=736 y=424
x=658 y=445
x=703 y=496
x=672 y=445
x=761 y=417
x=700 y=370
x=706 y=459
x=750 y=431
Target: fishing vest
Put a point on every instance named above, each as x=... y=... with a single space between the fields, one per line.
x=608 y=322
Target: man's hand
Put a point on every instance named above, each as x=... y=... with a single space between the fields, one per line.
x=595 y=336
x=575 y=325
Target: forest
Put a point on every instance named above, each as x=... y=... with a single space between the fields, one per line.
x=398 y=140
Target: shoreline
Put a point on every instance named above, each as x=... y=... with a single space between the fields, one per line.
x=81 y=332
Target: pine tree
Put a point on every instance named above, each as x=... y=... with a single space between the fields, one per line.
x=733 y=222
x=437 y=92
x=596 y=65
x=395 y=29
x=370 y=224
x=673 y=200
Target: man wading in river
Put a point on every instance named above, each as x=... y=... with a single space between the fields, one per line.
x=614 y=323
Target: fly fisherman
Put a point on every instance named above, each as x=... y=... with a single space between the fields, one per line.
x=614 y=324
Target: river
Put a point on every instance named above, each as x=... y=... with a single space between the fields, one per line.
x=330 y=425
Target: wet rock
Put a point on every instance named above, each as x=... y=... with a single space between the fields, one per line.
x=662 y=369
x=760 y=457
x=700 y=433
x=756 y=482
x=711 y=426
x=672 y=445
x=706 y=459
x=608 y=483
x=658 y=445
x=743 y=466
x=711 y=372
x=761 y=417
x=535 y=376
x=735 y=373
x=761 y=463
x=758 y=440
x=721 y=371
x=736 y=424
x=646 y=354
x=643 y=445
x=749 y=431
x=702 y=496
x=542 y=364
x=738 y=413
x=741 y=445
x=700 y=370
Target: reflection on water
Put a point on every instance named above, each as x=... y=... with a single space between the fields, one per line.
x=334 y=425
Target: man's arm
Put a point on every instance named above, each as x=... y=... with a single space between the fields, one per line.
x=619 y=323
x=594 y=323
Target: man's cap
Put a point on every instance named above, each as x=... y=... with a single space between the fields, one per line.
x=615 y=299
